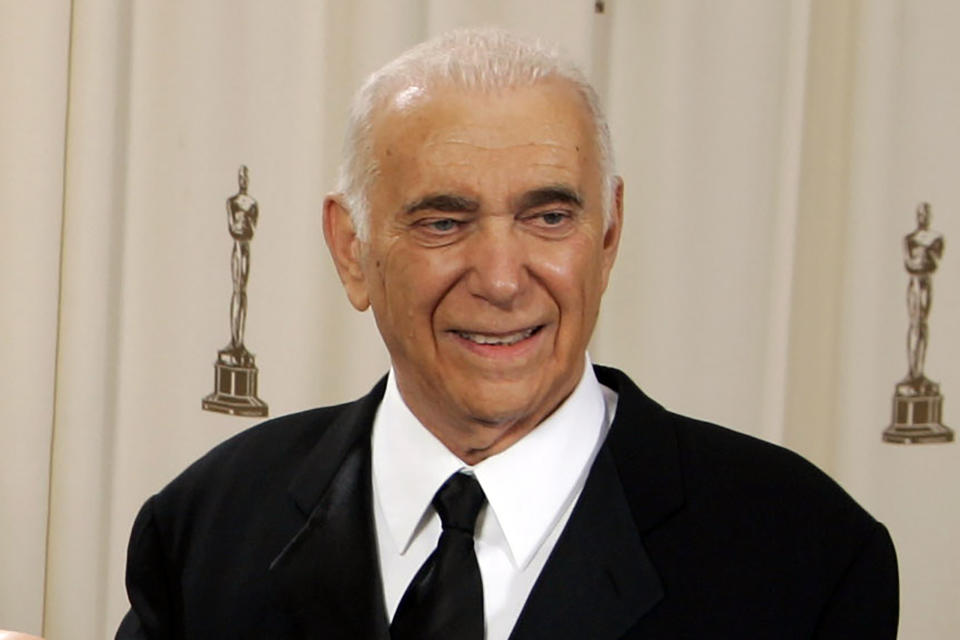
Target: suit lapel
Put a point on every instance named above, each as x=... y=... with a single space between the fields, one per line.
x=328 y=577
x=643 y=442
x=599 y=579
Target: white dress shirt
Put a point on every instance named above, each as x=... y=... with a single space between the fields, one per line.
x=531 y=488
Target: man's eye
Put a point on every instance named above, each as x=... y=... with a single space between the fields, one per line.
x=441 y=225
x=553 y=218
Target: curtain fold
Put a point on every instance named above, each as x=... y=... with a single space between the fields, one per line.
x=706 y=106
x=91 y=301
x=34 y=75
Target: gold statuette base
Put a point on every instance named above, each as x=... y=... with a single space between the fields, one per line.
x=235 y=389
x=916 y=420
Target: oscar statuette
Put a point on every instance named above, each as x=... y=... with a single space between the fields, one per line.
x=917 y=401
x=235 y=370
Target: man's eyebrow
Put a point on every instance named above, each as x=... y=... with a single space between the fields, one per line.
x=548 y=195
x=442 y=202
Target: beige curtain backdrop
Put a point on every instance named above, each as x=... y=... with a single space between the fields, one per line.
x=773 y=154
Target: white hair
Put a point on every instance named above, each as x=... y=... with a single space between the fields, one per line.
x=483 y=59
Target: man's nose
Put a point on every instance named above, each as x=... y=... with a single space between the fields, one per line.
x=497 y=265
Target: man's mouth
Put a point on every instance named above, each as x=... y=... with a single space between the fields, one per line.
x=499 y=339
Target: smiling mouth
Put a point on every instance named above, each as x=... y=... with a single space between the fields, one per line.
x=500 y=339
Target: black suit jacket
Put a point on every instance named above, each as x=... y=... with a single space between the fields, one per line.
x=683 y=530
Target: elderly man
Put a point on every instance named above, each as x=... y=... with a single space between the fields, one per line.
x=496 y=484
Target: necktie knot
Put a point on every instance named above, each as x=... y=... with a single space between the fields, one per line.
x=444 y=601
x=458 y=503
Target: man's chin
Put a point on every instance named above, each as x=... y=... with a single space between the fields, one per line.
x=491 y=434
x=501 y=400
x=502 y=409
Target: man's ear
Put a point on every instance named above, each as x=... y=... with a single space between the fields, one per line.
x=611 y=235
x=346 y=249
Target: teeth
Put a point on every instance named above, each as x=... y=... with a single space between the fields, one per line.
x=504 y=340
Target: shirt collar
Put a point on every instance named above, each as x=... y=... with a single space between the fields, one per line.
x=528 y=486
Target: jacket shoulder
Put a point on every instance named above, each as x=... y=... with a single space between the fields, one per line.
x=713 y=459
x=261 y=464
x=716 y=465
x=266 y=447
x=718 y=460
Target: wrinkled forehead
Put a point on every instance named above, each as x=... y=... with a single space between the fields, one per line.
x=551 y=111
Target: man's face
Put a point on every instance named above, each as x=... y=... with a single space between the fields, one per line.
x=487 y=256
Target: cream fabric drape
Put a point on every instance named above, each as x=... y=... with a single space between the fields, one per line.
x=34 y=42
x=773 y=153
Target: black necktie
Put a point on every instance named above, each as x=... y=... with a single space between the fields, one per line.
x=444 y=601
